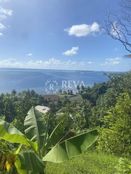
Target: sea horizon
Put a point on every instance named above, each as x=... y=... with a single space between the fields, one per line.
x=36 y=69
x=48 y=81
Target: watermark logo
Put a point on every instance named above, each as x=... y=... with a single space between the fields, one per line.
x=53 y=86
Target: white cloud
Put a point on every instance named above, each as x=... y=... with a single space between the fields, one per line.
x=51 y=63
x=4 y=14
x=112 y=61
x=2 y=27
x=29 y=54
x=5 y=11
x=83 y=29
x=73 y=51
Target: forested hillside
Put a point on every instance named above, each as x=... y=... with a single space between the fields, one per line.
x=105 y=108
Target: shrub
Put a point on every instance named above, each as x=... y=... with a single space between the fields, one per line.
x=124 y=166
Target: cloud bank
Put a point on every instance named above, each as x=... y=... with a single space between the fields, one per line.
x=51 y=63
x=112 y=61
x=109 y=64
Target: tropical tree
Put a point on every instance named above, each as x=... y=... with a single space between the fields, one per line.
x=115 y=134
x=30 y=151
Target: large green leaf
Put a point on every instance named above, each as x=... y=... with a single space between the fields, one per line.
x=11 y=134
x=29 y=162
x=71 y=147
x=35 y=126
x=56 y=134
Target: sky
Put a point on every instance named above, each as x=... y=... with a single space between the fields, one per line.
x=59 y=34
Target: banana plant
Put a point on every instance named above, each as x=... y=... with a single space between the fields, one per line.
x=31 y=151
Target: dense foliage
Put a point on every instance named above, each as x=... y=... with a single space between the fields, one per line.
x=105 y=106
x=115 y=134
x=29 y=152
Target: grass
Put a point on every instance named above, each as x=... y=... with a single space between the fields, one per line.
x=90 y=163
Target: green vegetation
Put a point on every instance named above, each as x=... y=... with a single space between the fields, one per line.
x=68 y=130
x=115 y=135
x=90 y=163
x=37 y=146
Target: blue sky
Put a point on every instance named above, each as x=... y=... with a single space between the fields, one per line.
x=59 y=34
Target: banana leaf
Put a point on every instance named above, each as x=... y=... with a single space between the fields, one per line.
x=35 y=126
x=29 y=162
x=56 y=134
x=71 y=147
x=9 y=133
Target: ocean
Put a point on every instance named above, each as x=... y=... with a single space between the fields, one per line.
x=47 y=81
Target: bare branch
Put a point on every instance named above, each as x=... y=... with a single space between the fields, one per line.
x=119 y=28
